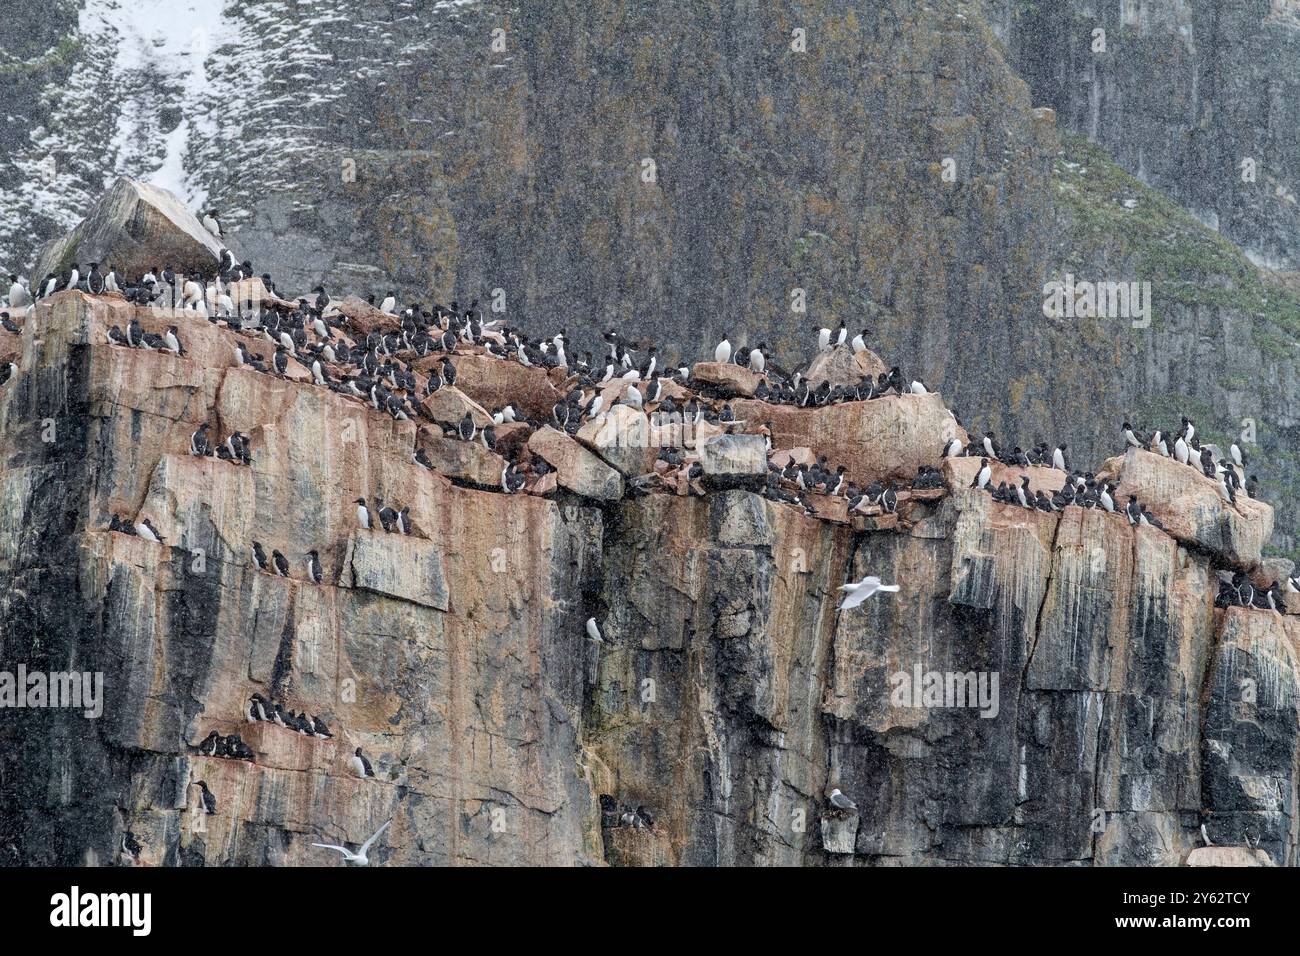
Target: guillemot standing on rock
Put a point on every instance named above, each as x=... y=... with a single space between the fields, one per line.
x=281 y=563
x=363 y=514
x=208 y=797
x=199 y=441
x=314 y=568
x=259 y=555
x=360 y=765
x=466 y=428
x=257 y=705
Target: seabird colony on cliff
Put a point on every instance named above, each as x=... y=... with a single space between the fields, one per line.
x=375 y=368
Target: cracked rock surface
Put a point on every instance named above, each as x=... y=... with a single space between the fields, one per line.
x=729 y=693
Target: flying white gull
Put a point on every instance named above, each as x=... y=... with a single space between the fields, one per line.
x=862 y=590
x=359 y=858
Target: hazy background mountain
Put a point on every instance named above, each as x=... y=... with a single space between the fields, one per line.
x=683 y=168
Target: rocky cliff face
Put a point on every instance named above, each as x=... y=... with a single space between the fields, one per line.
x=727 y=697
x=1195 y=97
x=894 y=164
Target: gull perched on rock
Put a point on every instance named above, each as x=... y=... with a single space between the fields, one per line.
x=862 y=590
x=360 y=858
x=841 y=802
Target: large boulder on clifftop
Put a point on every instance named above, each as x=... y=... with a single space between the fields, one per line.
x=134 y=226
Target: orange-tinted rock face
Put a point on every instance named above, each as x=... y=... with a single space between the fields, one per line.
x=726 y=379
x=842 y=366
x=877 y=440
x=1190 y=507
x=491 y=383
x=1035 y=673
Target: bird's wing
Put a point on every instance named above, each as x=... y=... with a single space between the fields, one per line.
x=888 y=587
x=330 y=846
x=853 y=600
x=366 y=846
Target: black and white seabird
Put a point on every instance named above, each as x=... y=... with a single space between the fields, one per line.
x=360 y=765
x=281 y=563
x=208 y=797
x=363 y=514
x=199 y=441
x=172 y=341
x=257 y=705
x=259 y=555
x=1133 y=511
x=313 y=566
x=95 y=280
x=466 y=428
